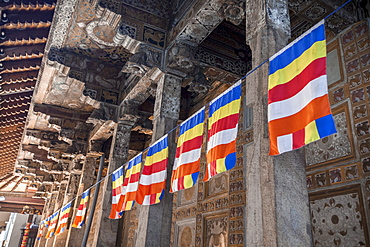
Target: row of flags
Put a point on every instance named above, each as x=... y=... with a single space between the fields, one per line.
x=148 y=187
x=58 y=221
x=298 y=113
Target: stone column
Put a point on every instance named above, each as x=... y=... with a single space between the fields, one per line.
x=71 y=192
x=277 y=211
x=74 y=235
x=155 y=221
x=57 y=205
x=45 y=214
x=105 y=233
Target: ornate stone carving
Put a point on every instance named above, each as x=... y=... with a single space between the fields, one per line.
x=181 y=56
x=185 y=233
x=202 y=24
x=122 y=139
x=338 y=221
x=137 y=64
x=217 y=185
x=216 y=232
x=199 y=83
x=62 y=23
x=331 y=147
x=167 y=102
x=234 y=11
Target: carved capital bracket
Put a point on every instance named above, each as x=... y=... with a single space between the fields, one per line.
x=181 y=57
x=104 y=113
x=140 y=91
x=145 y=58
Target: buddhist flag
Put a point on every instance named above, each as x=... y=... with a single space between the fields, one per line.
x=117 y=182
x=63 y=219
x=153 y=177
x=81 y=212
x=130 y=184
x=298 y=105
x=222 y=131
x=189 y=144
x=53 y=224
x=47 y=221
x=40 y=230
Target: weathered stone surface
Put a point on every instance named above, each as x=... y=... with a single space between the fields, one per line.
x=165 y=118
x=272 y=190
x=106 y=234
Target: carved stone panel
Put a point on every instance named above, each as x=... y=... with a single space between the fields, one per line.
x=216 y=229
x=187 y=196
x=332 y=147
x=185 y=233
x=339 y=220
x=219 y=184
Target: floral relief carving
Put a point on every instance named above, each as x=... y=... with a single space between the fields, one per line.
x=331 y=147
x=337 y=221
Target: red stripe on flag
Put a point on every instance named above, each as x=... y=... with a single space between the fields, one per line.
x=189 y=145
x=155 y=167
x=284 y=91
x=225 y=123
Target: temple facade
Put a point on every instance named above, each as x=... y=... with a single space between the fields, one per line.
x=107 y=78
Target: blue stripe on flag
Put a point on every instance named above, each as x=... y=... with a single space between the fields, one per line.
x=133 y=162
x=158 y=146
x=192 y=122
x=116 y=175
x=293 y=52
x=225 y=99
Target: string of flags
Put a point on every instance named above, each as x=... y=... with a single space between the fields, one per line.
x=298 y=113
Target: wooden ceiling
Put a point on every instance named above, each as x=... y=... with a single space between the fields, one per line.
x=24 y=30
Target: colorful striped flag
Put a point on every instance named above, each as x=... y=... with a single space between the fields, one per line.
x=187 y=160
x=63 y=219
x=47 y=221
x=222 y=131
x=53 y=224
x=117 y=182
x=298 y=105
x=153 y=177
x=81 y=212
x=130 y=184
x=40 y=230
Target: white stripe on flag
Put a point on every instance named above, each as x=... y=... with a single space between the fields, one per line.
x=188 y=157
x=153 y=178
x=314 y=89
x=222 y=137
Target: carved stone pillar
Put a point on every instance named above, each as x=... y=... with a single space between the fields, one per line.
x=71 y=192
x=74 y=236
x=105 y=233
x=155 y=221
x=277 y=211
x=45 y=214
x=58 y=203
